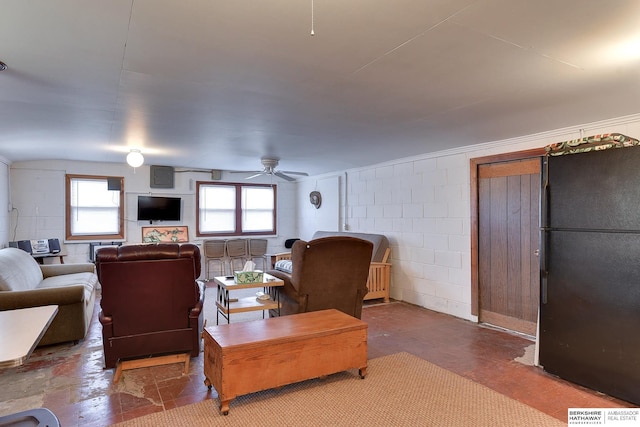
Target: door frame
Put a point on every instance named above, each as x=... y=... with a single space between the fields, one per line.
x=475 y=163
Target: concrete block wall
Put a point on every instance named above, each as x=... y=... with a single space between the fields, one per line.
x=422 y=205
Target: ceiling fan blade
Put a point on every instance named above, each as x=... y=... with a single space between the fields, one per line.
x=283 y=176
x=255 y=175
x=295 y=173
x=246 y=171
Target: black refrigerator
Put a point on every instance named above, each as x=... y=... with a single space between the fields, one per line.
x=590 y=270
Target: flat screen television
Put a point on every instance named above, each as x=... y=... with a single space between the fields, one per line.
x=151 y=208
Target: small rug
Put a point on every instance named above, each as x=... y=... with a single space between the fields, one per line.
x=399 y=390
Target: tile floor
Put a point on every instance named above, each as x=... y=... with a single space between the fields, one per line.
x=70 y=380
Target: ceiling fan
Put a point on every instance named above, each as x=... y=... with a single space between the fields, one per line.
x=270 y=164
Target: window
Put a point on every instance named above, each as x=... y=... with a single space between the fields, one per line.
x=94 y=207
x=227 y=209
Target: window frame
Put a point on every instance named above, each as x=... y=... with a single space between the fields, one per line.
x=68 y=236
x=238 y=209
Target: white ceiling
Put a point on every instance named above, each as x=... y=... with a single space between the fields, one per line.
x=218 y=84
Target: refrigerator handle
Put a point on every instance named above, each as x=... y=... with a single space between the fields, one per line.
x=544 y=195
x=543 y=286
x=544 y=229
x=543 y=265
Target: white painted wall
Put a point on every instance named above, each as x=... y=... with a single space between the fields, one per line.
x=37 y=193
x=422 y=204
x=5 y=207
x=327 y=217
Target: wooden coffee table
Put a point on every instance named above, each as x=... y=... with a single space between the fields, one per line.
x=21 y=331
x=246 y=357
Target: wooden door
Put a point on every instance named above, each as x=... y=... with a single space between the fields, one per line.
x=508 y=236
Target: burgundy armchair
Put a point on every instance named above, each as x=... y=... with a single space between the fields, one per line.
x=151 y=300
x=330 y=272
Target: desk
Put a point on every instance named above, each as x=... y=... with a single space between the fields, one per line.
x=40 y=257
x=21 y=331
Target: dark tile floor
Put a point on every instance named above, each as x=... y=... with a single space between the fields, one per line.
x=70 y=380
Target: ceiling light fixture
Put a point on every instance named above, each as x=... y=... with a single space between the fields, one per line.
x=3 y=66
x=135 y=158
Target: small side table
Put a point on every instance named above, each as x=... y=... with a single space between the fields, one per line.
x=40 y=257
x=226 y=305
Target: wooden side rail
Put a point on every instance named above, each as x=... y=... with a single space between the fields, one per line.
x=283 y=255
x=379 y=280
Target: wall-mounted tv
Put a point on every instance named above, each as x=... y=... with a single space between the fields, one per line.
x=151 y=208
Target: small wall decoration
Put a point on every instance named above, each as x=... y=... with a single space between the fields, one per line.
x=173 y=234
x=315 y=198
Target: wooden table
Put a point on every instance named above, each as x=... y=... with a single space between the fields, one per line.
x=226 y=305
x=21 y=331
x=40 y=257
x=246 y=357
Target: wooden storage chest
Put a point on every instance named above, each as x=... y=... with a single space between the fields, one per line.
x=246 y=357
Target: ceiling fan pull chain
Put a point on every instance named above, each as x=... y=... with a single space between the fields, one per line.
x=312 y=32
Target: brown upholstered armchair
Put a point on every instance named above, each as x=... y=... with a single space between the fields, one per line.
x=329 y=272
x=151 y=300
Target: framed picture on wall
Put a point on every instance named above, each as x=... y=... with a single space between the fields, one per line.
x=172 y=234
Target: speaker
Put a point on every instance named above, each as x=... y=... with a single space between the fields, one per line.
x=114 y=183
x=25 y=245
x=54 y=246
x=288 y=244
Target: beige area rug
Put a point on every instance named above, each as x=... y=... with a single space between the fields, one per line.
x=399 y=390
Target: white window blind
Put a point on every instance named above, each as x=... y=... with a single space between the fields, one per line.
x=236 y=209
x=94 y=209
